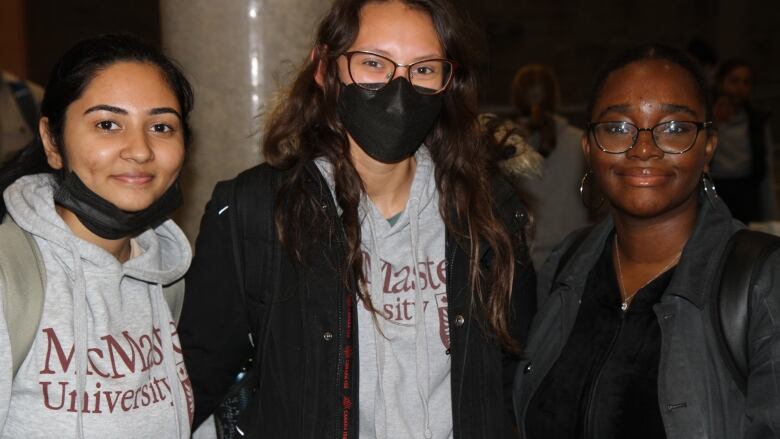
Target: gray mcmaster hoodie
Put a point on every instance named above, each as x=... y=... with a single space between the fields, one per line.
x=106 y=360
x=404 y=362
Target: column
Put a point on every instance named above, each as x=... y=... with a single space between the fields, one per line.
x=237 y=54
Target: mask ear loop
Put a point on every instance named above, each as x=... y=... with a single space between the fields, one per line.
x=583 y=181
x=709 y=188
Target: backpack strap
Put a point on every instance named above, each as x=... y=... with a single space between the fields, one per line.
x=22 y=280
x=742 y=261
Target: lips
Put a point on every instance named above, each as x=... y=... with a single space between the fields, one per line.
x=644 y=176
x=134 y=178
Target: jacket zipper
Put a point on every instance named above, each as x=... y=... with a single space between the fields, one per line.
x=595 y=385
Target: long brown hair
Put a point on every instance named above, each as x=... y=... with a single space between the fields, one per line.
x=305 y=125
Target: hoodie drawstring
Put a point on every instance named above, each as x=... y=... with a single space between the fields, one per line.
x=80 y=350
x=79 y=335
x=421 y=331
x=377 y=300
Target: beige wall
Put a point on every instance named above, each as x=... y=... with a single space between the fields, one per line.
x=237 y=53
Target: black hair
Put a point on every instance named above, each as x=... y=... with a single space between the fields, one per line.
x=652 y=51
x=70 y=77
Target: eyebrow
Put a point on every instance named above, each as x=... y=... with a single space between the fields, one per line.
x=109 y=108
x=666 y=108
x=676 y=108
x=619 y=108
x=414 y=60
x=117 y=110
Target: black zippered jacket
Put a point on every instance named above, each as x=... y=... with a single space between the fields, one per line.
x=300 y=319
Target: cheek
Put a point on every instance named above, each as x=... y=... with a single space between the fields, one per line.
x=170 y=158
x=344 y=71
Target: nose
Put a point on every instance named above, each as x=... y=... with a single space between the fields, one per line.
x=138 y=149
x=645 y=147
x=401 y=72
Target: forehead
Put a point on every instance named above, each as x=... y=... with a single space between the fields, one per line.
x=132 y=84
x=650 y=82
x=393 y=26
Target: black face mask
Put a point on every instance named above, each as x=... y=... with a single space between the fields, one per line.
x=106 y=220
x=391 y=123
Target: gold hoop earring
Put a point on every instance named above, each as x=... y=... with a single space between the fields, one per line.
x=583 y=197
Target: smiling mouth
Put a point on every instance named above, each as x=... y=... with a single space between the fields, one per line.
x=135 y=179
x=644 y=177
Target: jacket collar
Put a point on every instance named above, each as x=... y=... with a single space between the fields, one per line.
x=693 y=277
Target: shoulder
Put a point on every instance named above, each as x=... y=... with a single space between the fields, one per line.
x=258 y=181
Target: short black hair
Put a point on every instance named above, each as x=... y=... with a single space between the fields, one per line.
x=651 y=51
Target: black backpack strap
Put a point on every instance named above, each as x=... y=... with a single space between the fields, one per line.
x=742 y=261
x=251 y=200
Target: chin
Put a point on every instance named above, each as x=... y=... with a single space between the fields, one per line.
x=130 y=205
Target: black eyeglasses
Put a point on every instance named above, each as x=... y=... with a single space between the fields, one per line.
x=673 y=137
x=372 y=72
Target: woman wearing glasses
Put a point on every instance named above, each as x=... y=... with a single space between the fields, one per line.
x=624 y=343
x=383 y=280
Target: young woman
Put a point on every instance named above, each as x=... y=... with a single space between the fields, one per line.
x=557 y=207
x=624 y=344
x=382 y=277
x=742 y=168
x=93 y=193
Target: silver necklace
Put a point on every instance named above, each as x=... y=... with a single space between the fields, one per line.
x=627 y=300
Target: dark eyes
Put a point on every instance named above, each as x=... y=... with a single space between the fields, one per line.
x=110 y=125
x=107 y=125
x=162 y=128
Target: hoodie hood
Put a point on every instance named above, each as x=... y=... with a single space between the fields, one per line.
x=166 y=254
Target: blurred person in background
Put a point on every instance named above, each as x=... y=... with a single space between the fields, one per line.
x=554 y=200
x=742 y=166
x=19 y=106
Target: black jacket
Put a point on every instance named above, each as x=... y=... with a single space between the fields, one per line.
x=303 y=390
x=697 y=395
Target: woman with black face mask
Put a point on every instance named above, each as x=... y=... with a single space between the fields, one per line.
x=373 y=268
x=85 y=232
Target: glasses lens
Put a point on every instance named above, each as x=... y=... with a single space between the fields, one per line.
x=675 y=137
x=430 y=76
x=615 y=137
x=371 y=71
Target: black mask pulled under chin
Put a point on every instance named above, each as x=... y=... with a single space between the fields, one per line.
x=388 y=124
x=106 y=220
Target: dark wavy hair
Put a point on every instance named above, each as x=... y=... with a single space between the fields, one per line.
x=650 y=51
x=305 y=125
x=69 y=78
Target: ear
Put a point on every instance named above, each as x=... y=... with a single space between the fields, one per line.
x=585 y=144
x=53 y=155
x=319 y=72
x=709 y=149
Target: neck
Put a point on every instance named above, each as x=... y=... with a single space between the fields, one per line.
x=387 y=184
x=655 y=240
x=119 y=248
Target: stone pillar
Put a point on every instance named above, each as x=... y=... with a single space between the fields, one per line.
x=237 y=54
